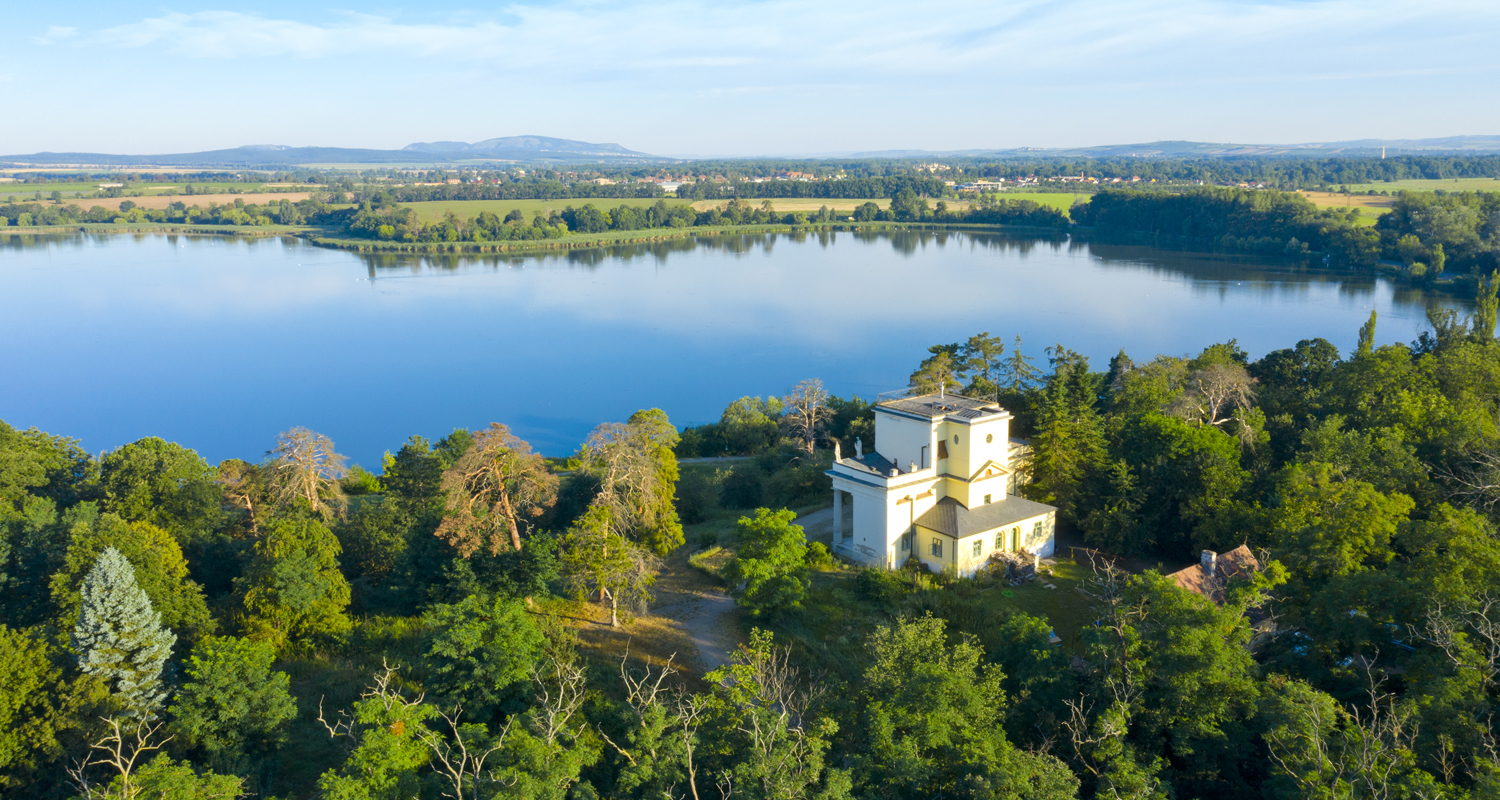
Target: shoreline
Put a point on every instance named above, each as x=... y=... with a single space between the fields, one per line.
x=1456 y=284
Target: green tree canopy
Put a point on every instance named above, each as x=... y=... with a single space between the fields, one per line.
x=292 y=589
x=159 y=569
x=479 y=649
x=770 y=564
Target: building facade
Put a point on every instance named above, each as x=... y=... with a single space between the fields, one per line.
x=938 y=486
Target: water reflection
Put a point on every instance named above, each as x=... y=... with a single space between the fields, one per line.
x=220 y=343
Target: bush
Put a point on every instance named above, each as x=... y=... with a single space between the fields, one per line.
x=744 y=488
x=695 y=496
x=879 y=586
x=818 y=556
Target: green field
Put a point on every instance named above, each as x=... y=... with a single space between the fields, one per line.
x=1059 y=200
x=1450 y=185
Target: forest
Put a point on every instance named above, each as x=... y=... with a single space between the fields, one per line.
x=294 y=626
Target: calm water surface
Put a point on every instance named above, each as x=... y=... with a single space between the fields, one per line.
x=220 y=343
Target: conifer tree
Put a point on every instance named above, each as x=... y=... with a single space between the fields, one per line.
x=119 y=637
x=1366 y=337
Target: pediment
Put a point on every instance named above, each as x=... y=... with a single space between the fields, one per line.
x=989 y=469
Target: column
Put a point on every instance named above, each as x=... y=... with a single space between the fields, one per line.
x=838 y=516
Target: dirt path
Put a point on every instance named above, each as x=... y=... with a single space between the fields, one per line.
x=693 y=623
x=707 y=618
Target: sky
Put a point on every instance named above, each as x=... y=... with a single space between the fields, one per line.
x=720 y=77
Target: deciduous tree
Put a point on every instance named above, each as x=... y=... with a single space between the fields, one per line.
x=495 y=484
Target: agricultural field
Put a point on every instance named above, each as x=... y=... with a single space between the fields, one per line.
x=1450 y=185
x=433 y=210
x=1370 y=207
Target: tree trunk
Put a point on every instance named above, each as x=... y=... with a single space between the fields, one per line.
x=614 y=611
x=510 y=519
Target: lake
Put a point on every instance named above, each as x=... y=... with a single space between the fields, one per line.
x=220 y=343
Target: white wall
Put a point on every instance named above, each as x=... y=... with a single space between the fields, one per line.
x=901 y=440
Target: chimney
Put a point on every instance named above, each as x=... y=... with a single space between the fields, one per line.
x=1210 y=563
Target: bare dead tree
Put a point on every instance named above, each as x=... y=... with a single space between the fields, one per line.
x=643 y=692
x=691 y=709
x=1473 y=477
x=461 y=760
x=1364 y=750
x=121 y=749
x=1468 y=635
x=807 y=413
x=1218 y=395
x=1093 y=739
x=560 y=689
x=305 y=466
x=626 y=459
x=773 y=698
x=383 y=688
x=494 y=484
x=1116 y=617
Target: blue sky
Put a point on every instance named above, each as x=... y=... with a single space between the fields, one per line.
x=711 y=78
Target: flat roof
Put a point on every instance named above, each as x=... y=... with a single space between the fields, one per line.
x=936 y=406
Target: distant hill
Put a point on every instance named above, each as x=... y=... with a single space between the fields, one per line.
x=510 y=148
x=531 y=145
x=1451 y=145
x=532 y=149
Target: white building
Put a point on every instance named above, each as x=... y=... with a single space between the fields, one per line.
x=937 y=486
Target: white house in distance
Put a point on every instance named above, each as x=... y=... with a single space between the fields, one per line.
x=937 y=486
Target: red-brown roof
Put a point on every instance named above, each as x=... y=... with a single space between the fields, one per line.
x=1236 y=562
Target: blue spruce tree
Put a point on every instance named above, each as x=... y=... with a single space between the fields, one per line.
x=119 y=636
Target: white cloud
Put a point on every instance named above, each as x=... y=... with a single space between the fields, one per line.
x=782 y=37
x=54 y=33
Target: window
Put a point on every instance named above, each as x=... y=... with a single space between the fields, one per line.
x=942 y=449
x=906 y=542
x=989 y=438
x=987 y=499
x=937 y=547
x=955 y=438
x=1015 y=538
x=924 y=457
x=999 y=540
x=978 y=548
x=1036 y=530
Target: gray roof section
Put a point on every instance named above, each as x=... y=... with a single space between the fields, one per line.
x=871 y=463
x=934 y=406
x=951 y=518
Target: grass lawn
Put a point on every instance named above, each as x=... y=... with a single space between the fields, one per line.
x=1066 y=608
x=1062 y=201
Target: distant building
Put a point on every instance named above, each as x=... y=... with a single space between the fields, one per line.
x=938 y=486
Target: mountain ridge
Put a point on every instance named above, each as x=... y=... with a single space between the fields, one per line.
x=531 y=148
